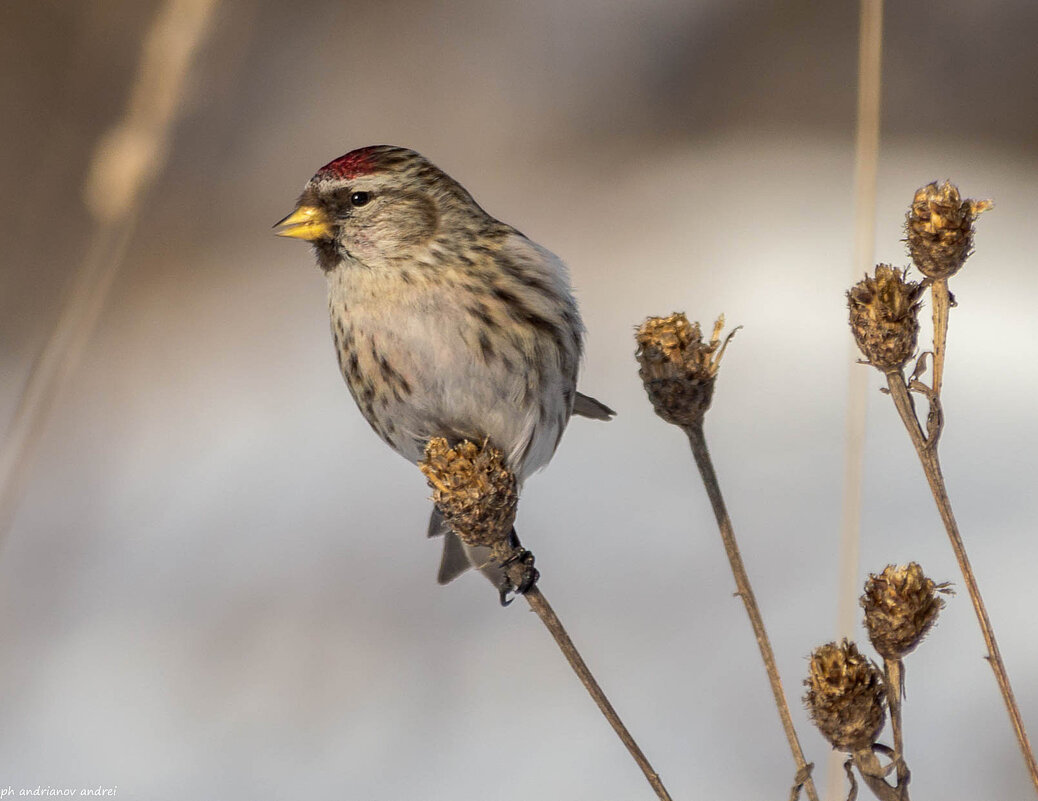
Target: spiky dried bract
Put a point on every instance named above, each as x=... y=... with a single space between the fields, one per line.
x=845 y=696
x=884 y=318
x=677 y=367
x=939 y=228
x=901 y=605
x=473 y=489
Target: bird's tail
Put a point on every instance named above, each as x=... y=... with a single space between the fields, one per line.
x=586 y=406
x=459 y=557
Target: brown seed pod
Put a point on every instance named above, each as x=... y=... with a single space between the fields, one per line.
x=677 y=367
x=901 y=605
x=845 y=696
x=939 y=228
x=473 y=489
x=884 y=312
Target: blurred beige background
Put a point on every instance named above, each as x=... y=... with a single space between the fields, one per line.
x=217 y=584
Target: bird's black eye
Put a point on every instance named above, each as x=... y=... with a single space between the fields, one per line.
x=359 y=198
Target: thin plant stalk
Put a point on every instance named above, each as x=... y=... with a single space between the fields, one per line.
x=941 y=302
x=476 y=492
x=926 y=449
x=872 y=772
x=894 y=679
x=697 y=439
x=540 y=605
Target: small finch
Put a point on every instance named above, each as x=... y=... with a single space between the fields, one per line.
x=447 y=322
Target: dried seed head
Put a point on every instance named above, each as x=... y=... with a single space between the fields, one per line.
x=939 y=228
x=884 y=317
x=845 y=696
x=901 y=606
x=473 y=489
x=677 y=367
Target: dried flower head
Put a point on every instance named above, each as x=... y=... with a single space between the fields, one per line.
x=884 y=317
x=901 y=606
x=473 y=489
x=677 y=367
x=939 y=228
x=845 y=696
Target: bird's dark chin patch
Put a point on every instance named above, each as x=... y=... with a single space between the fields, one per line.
x=329 y=254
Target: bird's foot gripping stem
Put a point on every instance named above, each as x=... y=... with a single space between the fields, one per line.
x=519 y=574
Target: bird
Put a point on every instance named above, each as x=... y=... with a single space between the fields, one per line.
x=446 y=321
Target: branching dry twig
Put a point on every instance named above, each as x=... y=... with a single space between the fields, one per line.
x=874 y=774
x=926 y=449
x=894 y=681
x=901 y=606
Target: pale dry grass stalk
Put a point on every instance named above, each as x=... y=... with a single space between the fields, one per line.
x=57 y=362
x=126 y=161
x=679 y=368
x=477 y=495
x=866 y=161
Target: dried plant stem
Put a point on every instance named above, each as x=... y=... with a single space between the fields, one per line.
x=868 y=765
x=894 y=679
x=941 y=301
x=697 y=439
x=848 y=768
x=926 y=448
x=540 y=605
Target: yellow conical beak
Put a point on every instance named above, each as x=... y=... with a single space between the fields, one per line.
x=306 y=222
